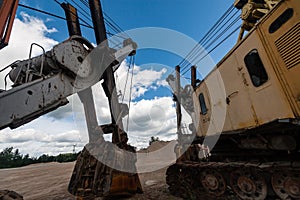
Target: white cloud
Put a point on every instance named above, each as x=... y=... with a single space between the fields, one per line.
x=19 y=137
x=155 y=117
x=148 y=117
x=44 y=135
x=143 y=80
x=38 y=141
x=56 y=132
x=69 y=136
x=34 y=135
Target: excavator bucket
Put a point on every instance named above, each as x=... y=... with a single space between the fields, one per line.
x=91 y=178
x=124 y=184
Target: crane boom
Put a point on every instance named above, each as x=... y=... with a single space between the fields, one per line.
x=43 y=83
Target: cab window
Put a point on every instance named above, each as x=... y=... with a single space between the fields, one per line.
x=256 y=68
x=202 y=104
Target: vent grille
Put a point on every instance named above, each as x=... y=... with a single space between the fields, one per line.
x=288 y=46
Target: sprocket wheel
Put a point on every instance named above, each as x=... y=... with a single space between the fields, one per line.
x=213 y=182
x=248 y=184
x=286 y=184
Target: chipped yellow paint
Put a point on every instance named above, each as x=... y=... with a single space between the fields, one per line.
x=279 y=98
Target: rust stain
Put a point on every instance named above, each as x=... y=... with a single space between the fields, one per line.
x=124 y=184
x=246 y=124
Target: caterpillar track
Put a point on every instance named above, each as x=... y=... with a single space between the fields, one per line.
x=217 y=180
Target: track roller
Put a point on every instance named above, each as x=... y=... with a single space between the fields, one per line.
x=286 y=184
x=213 y=182
x=248 y=184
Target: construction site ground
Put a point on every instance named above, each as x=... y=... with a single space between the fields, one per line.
x=50 y=181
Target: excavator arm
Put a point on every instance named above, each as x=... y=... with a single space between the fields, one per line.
x=43 y=83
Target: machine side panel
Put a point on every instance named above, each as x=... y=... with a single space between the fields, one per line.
x=280 y=34
x=258 y=89
x=29 y=101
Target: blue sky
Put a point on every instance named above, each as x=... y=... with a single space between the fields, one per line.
x=190 y=18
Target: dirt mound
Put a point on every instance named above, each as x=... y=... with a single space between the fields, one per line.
x=154 y=146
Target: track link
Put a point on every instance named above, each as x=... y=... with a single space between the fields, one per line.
x=236 y=180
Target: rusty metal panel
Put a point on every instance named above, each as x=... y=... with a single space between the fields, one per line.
x=72 y=19
x=8 y=9
x=29 y=101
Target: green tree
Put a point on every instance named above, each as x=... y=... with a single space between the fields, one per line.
x=153 y=139
x=67 y=157
x=10 y=158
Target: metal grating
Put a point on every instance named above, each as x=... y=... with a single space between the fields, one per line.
x=288 y=46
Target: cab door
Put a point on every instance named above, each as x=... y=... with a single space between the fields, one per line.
x=267 y=99
x=203 y=110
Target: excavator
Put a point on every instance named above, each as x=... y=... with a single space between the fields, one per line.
x=42 y=84
x=244 y=141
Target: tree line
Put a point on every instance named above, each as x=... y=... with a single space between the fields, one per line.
x=10 y=158
x=13 y=158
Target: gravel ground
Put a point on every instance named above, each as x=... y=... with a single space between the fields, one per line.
x=50 y=180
